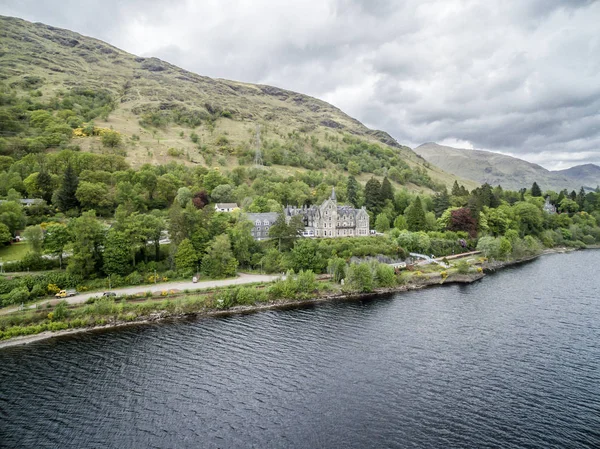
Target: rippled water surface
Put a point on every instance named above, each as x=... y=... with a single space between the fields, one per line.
x=510 y=361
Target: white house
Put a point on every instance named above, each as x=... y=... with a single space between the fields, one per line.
x=226 y=207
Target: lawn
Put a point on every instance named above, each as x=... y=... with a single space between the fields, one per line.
x=16 y=251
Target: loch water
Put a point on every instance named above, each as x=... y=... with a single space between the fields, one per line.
x=511 y=361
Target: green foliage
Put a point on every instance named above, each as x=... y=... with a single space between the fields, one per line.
x=360 y=277
x=462 y=267
x=415 y=216
x=384 y=275
x=336 y=267
x=5 y=234
x=382 y=223
x=305 y=256
x=66 y=196
x=219 y=261
x=116 y=253
x=111 y=139
x=186 y=259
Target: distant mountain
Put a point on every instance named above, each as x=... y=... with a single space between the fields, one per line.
x=509 y=172
x=587 y=175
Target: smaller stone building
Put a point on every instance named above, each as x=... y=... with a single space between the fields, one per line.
x=262 y=223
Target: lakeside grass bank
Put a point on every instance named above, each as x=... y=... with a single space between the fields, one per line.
x=105 y=313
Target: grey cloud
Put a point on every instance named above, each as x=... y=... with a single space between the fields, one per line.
x=515 y=76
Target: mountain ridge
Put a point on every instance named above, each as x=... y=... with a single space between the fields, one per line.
x=510 y=172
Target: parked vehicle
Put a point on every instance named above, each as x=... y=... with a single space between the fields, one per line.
x=66 y=293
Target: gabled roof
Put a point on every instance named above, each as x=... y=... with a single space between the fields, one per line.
x=226 y=205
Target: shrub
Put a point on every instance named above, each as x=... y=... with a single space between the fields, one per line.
x=462 y=267
x=306 y=282
x=385 y=276
x=360 y=277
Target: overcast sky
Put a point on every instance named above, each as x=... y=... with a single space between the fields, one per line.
x=516 y=76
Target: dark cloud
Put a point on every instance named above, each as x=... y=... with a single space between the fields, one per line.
x=515 y=76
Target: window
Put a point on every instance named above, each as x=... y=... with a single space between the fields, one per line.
x=257 y=223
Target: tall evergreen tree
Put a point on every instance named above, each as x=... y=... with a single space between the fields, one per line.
x=415 y=216
x=441 y=202
x=66 y=199
x=581 y=198
x=373 y=200
x=535 y=190
x=352 y=188
x=44 y=184
x=387 y=191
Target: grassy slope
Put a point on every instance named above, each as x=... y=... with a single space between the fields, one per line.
x=66 y=60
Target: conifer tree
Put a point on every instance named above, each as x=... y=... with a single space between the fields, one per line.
x=66 y=199
x=44 y=184
x=387 y=191
x=415 y=216
x=535 y=190
x=373 y=200
x=352 y=188
x=441 y=202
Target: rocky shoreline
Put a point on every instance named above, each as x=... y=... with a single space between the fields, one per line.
x=425 y=282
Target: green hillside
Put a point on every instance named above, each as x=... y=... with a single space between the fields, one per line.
x=164 y=113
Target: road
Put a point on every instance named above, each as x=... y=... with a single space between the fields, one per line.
x=175 y=285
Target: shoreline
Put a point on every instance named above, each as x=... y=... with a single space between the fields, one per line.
x=427 y=282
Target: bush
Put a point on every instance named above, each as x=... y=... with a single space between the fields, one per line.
x=462 y=267
x=385 y=276
x=360 y=277
x=16 y=296
x=111 y=139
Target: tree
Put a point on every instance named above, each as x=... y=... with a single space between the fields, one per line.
x=242 y=241
x=415 y=216
x=353 y=168
x=35 y=236
x=441 y=202
x=223 y=193
x=373 y=201
x=219 y=261
x=529 y=217
x=306 y=256
x=352 y=189
x=87 y=235
x=93 y=195
x=400 y=223
x=387 y=191
x=382 y=223
x=65 y=198
x=360 y=277
x=200 y=199
x=186 y=258
x=336 y=267
x=11 y=214
x=116 y=253
x=45 y=185
x=462 y=220
x=57 y=238
x=535 y=190
x=5 y=235
x=184 y=195
x=111 y=139
x=567 y=205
